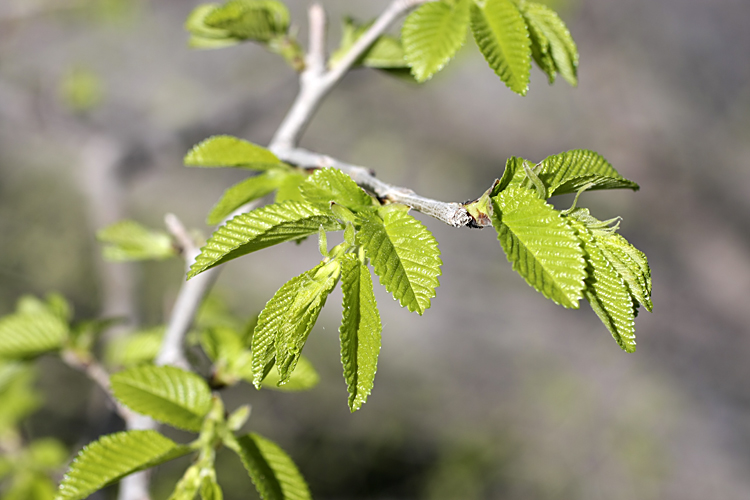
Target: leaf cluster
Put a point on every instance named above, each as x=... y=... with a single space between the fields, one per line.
x=568 y=255
x=400 y=250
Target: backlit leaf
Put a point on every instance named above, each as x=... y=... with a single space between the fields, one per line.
x=135 y=348
x=228 y=151
x=258 y=20
x=272 y=471
x=301 y=316
x=432 y=35
x=262 y=228
x=165 y=393
x=385 y=53
x=553 y=41
x=244 y=192
x=540 y=244
x=128 y=240
x=403 y=253
x=359 y=331
x=331 y=184
x=569 y=171
x=606 y=291
x=113 y=457
x=26 y=335
x=503 y=39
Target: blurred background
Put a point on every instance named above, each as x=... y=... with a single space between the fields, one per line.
x=496 y=392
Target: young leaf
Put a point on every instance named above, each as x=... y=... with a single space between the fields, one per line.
x=301 y=316
x=331 y=184
x=569 y=171
x=228 y=151
x=502 y=37
x=272 y=471
x=168 y=394
x=244 y=192
x=432 y=35
x=26 y=335
x=607 y=292
x=303 y=378
x=262 y=228
x=135 y=348
x=270 y=322
x=258 y=20
x=631 y=264
x=360 y=330
x=113 y=457
x=127 y=240
x=553 y=41
x=289 y=187
x=204 y=36
x=540 y=244
x=404 y=255
x=385 y=53
x=210 y=489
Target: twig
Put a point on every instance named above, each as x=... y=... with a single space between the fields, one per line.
x=316 y=56
x=177 y=229
x=453 y=214
x=314 y=86
x=96 y=373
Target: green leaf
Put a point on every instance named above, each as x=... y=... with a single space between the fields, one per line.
x=258 y=20
x=385 y=53
x=552 y=45
x=359 y=331
x=28 y=485
x=569 y=171
x=210 y=489
x=606 y=291
x=432 y=35
x=301 y=315
x=289 y=188
x=26 y=335
x=262 y=228
x=228 y=151
x=540 y=244
x=205 y=36
x=288 y=318
x=303 y=378
x=244 y=192
x=18 y=397
x=272 y=471
x=332 y=185
x=168 y=394
x=189 y=484
x=113 y=457
x=632 y=265
x=404 y=255
x=135 y=348
x=128 y=240
x=502 y=37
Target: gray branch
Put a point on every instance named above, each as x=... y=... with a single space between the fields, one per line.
x=453 y=214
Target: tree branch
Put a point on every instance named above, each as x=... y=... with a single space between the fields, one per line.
x=315 y=85
x=453 y=214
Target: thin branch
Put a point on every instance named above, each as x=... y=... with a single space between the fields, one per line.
x=177 y=229
x=96 y=373
x=453 y=214
x=316 y=57
x=315 y=86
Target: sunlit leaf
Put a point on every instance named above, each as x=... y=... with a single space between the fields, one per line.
x=168 y=394
x=113 y=457
x=385 y=53
x=569 y=171
x=244 y=192
x=26 y=335
x=606 y=291
x=544 y=250
x=262 y=228
x=359 y=331
x=503 y=39
x=552 y=45
x=272 y=471
x=330 y=184
x=228 y=151
x=432 y=35
x=135 y=348
x=128 y=240
x=403 y=253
